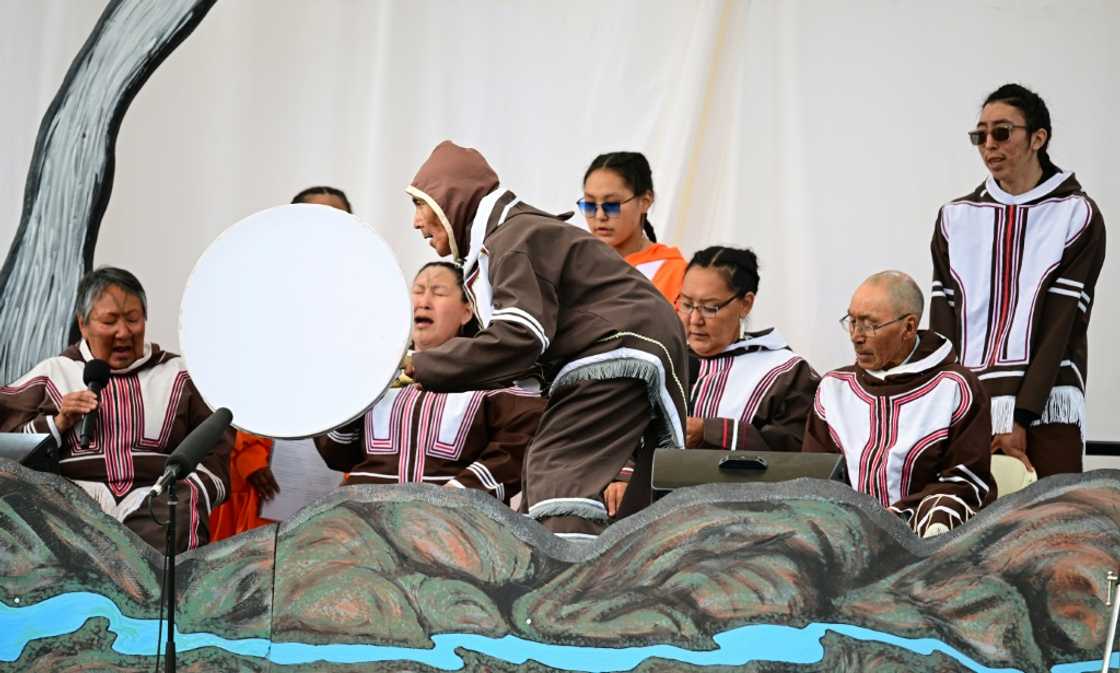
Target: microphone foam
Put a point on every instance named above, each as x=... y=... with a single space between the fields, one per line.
x=96 y=371
x=200 y=441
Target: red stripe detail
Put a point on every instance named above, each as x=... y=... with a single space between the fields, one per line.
x=818 y=406
x=120 y=414
x=404 y=438
x=884 y=431
x=1015 y=233
x=454 y=450
x=874 y=431
x=712 y=380
x=875 y=450
x=388 y=445
x=195 y=520
x=180 y=384
x=51 y=389
x=1007 y=263
x=915 y=452
x=424 y=434
x=719 y=384
x=763 y=387
x=994 y=292
x=961 y=308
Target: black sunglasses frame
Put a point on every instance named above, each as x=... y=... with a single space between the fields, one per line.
x=1001 y=133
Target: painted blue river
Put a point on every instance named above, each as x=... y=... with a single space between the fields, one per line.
x=67 y=613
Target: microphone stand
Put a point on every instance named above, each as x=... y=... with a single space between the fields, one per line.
x=182 y=461
x=169 y=577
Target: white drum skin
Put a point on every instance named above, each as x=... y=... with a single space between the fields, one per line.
x=296 y=319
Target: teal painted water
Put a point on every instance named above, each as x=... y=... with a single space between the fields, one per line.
x=66 y=613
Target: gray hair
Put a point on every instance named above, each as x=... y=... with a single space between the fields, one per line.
x=94 y=283
x=906 y=296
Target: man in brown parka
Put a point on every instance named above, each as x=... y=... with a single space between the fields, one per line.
x=551 y=296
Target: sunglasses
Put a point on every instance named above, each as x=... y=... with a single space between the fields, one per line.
x=610 y=208
x=1000 y=133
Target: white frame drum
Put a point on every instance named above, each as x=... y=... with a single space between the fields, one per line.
x=296 y=319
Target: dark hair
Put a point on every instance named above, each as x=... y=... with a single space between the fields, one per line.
x=634 y=170
x=472 y=327
x=739 y=266
x=323 y=190
x=94 y=283
x=1034 y=111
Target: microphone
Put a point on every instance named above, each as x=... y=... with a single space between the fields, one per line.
x=96 y=377
x=193 y=449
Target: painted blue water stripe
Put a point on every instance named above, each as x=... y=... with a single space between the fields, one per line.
x=66 y=613
x=1087 y=666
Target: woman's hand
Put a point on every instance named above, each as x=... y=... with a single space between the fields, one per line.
x=693 y=432
x=612 y=497
x=74 y=406
x=264 y=483
x=1013 y=444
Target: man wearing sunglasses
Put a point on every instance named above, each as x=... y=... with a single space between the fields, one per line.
x=913 y=425
x=1015 y=269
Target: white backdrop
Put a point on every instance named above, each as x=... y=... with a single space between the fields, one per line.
x=824 y=135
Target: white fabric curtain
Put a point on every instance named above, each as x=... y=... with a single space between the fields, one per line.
x=823 y=135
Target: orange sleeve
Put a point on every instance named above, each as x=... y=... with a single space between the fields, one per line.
x=670 y=277
x=250 y=453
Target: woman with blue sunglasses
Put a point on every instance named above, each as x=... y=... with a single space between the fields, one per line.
x=617 y=194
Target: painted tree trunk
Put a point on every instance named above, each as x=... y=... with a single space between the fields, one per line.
x=71 y=174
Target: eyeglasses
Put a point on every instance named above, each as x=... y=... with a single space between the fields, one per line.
x=1001 y=133
x=610 y=208
x=685 y=307
x=865 y=327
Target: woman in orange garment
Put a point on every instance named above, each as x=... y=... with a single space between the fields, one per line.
x=250 y=480
x=617 y=194
x=250 y=477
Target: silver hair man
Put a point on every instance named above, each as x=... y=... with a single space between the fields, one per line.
x=97 y=281
x=905 y=294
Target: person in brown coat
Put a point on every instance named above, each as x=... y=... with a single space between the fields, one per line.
x=553 y=298
x=473 y=439
x=1015 y=269
x=749 y=390
x=914 y=426
x=147 y=408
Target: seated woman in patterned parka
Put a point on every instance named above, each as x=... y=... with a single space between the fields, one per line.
x=472 y=439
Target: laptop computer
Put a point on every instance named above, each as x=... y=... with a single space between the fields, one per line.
x=677 y=468
x=36 y=451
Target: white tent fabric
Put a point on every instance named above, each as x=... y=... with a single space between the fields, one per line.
x=824 y=135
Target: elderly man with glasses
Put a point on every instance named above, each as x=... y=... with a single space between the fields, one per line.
x=913 y=425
